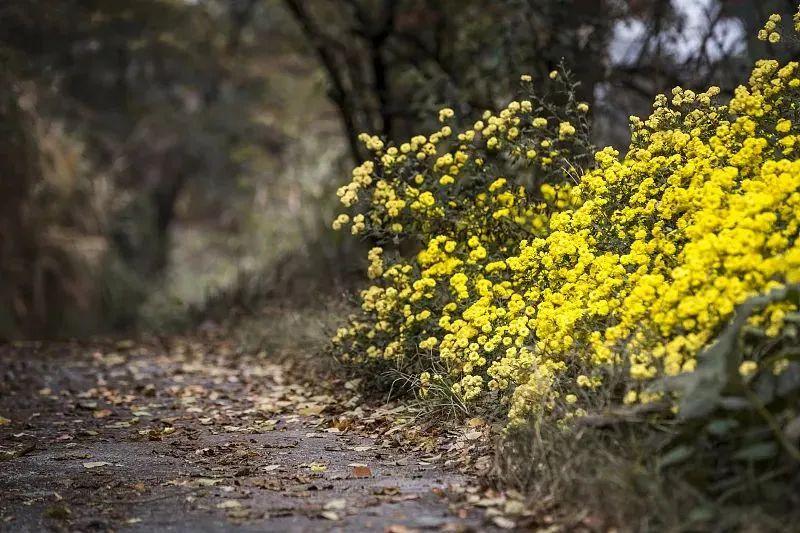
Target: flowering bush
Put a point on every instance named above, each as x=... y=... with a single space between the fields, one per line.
x=735 y=400
x=512 y=263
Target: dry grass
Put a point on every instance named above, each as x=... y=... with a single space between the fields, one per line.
x=608 y=470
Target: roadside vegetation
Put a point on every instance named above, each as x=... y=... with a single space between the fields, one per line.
x=639 y=307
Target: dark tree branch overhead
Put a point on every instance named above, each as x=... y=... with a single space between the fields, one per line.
x=378 y=39
x=339 y=94
x=358 y=71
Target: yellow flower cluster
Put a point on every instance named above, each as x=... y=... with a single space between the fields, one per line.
x=530 y=289
x=770 y=30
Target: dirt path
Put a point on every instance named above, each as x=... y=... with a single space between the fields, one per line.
x=194 y=436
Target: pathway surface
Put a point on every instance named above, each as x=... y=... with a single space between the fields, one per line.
x=189 y=434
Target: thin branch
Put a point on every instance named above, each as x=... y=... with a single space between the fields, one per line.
x=339 y=95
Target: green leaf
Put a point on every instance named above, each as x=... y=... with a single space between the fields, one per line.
x=675 y=456
x=757 y=452
x=792 y=429
x=722 y=426
x=700 y=401
x=702 y=514
x=789 y=381
x=764 y=387
x=734 y=403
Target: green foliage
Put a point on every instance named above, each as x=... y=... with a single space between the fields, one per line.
x=739 y=422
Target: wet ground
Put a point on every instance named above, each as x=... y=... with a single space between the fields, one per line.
x=192 y=434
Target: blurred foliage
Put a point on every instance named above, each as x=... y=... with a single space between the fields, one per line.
x=154 y=99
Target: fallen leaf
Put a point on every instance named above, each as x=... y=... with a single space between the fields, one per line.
x=4 y=421
x=484 y=463
x=504 y=523
x=102 y=413
x=95 y=464
x=337 y=504
x=476 y=422
x=207 y=482
x=404 y=497
x=361 y=472
x=311 y=410
x=352 y=384
x=229 y=504
x=473 y=435
x=514 y=507
x=329 y=515
x=317 y=467
x=58 y=512
x=270 y=468
x=239 y=514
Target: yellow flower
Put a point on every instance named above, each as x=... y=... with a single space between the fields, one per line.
x=341 y=220
x=565 y=129
x=748 y=368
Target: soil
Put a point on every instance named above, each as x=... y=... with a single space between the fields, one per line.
x=194 y=434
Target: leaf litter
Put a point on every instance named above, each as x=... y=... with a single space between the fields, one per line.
x=204 y=426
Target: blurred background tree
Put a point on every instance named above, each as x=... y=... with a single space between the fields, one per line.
x=160 y=155
x=151 y=101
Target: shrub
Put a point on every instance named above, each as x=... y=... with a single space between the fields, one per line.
x=513 y=265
